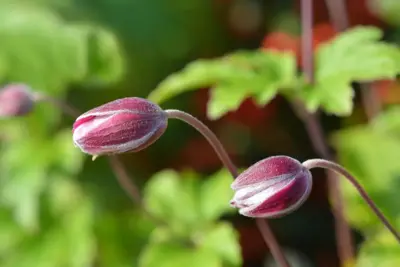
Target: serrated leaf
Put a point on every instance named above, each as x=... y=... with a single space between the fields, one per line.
x=200 y=73
x=223 y=241
x=225 y=98
x=215 y=195
x=232 y=79
x=356 y=55
x=174 y=255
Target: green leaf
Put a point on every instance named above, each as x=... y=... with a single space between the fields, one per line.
x=105 y=59
x=223 y=241
x=121 y=236
x=69 y=242
x=356 y=55
x=173 y=198
x=372 y=156
x=215 y=195
x=388 y=10
x=382 y=250
x=265 y=74
x=225 y=98
x=388 y=122
x=200 y=73
x=65 y=154
x=232 y=79
x=173 y=255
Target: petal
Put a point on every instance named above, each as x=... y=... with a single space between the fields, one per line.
x=282 y=201
x=266 y=169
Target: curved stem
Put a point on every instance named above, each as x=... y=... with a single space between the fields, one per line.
x=321 y=163
x=262 y=224
x=124 y=180
x=208 y=134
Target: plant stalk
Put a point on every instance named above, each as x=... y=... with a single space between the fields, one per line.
x=342 y=230
x=262 y=224
x=329 y=165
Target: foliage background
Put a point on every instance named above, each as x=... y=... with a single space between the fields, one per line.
x=58 y=208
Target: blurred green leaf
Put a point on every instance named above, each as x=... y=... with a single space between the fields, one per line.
x=355 y=55
x=106 y=64
x=57 y=53
x=121 y=237
x=173 y=199
x=65 y=154
x=233 y=78
x=382 y=250
x=223 y=241
x=173 y=255
x=373 y=158
x=215 y=195
x=70 y=242
x=388 y=10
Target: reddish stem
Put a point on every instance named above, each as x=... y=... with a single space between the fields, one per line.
x=326 y=164
x=262 y=224
x=316 y=134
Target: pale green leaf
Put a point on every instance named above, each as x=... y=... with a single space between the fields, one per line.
x=106 y=63
x=200 y=73
x=225 y=98
x=173 y=198
x=223 y=240
x=382 y=250
x=357 y=55
x=388 y=10
x=215 y=195
x=175 y=255
x=372 y=157
x=65 y=154
x=232 y=78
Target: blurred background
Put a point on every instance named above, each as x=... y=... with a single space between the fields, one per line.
x=58 y=208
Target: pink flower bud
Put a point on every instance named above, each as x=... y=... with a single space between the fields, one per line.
x=124 y=125
x=272 y=187
x=15 y=100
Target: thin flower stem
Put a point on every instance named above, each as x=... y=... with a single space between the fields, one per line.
x=262 y=224
x=124 y=180
x=369 y=97
x=326 y=164
x=342 y=230
x=208 y=134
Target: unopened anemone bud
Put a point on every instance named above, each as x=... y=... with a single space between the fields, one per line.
x=272 y=187
x=124 y=125
x=15 y=100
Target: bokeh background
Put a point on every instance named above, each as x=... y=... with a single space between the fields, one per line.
x=60 y=209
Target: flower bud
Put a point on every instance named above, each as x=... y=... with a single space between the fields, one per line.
x=124 y=125
x=15 y=100
x=272 y=187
